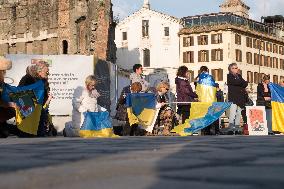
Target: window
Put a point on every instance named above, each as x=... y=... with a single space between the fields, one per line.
x=217 y=74
x=275 y=48
x=269 y=62
x=216 y=38
x=275 y=79
x=217 y=55
x=188 y=41
x=203 y=40
x=256 y=77
x=262 y=59
x=203 y=56
x=64 y=47
x=249 y=42
x=166 y=31
x=191 y=75
x=238 y=55
x=262 y=45
x=256 y=43
x=250 y=77
x=269 y=47
x=238 y=39
x=275 y=62
x=281 y=50
x=256 y=59
x=188 y=57
x=146 y=58
x=266 y=61
x=282 y=64
x=249 y=57
x=124 y=36
x=145 y=28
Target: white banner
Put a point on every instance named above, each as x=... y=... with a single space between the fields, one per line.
x=67 y=72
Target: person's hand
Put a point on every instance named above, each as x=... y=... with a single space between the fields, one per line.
x=50 y=96
x=12 y=105
x=267 y=98
x=163 y=104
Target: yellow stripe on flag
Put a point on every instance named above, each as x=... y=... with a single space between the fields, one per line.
x=104 y=133
x=277 y=116
x=145 y=118
x=197 y=110
x=206 y=93
x=29 y=124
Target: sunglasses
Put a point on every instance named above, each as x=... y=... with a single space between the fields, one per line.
x=235 y=68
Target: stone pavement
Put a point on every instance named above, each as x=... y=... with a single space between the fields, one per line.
x=143 y=162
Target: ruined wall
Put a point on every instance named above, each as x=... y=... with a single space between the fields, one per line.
x=57 y=27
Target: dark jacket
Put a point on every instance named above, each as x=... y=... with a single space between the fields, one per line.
x=121 y=109
x=237 y=89
x=184 y=90
x=260 y=101
x=220 y=96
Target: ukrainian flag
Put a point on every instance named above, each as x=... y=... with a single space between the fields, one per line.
x=141 y=108
x=202 y=114
x=277 y=103
x=97 y=124
x=29 y=100
x=206 y=88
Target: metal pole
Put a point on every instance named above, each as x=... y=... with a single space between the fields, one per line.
x=116 y=82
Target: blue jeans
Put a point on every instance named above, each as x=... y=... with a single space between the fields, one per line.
x=235 y=117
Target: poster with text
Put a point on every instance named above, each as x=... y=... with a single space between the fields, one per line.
x=256 y=118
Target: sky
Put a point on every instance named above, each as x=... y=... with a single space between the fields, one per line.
x=182 y=8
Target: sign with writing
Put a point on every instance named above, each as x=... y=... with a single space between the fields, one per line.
x=66 y=72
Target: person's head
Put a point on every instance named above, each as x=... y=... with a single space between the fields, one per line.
x=90 y=82
x=266 y=79
x=137 y=68
x=217 y=85
x=182 y=71
x=233 y=68
x=203 y=69
x=281 y=83
x=39 y=70
x=5 y=64
x=163 y=87
x=136 y=87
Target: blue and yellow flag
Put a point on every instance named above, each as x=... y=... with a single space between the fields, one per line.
x=97 y=124
x=277 y=103
x=202 y=114
x=29 y=100
x=206 y=88
x=141 y=108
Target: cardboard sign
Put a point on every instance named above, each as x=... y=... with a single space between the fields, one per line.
x=256 y=120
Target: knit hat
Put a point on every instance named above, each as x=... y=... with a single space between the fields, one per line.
x=5 y=64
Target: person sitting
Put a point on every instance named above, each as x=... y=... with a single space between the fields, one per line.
x=34 y=73
x=7 y=109
x=166 y=114
x=84 y=100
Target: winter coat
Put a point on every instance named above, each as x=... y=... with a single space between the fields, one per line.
x=184 y=90
x=260 y=96
x=134 y=77
x=236 y=89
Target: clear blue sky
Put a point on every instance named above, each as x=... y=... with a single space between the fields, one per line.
x=181 y=8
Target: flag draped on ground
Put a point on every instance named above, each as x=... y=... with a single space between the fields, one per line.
x=202 y=114
x=206 y=88
x=277 y=103
x=29 y=100
x=141 y=108
x=97 y=124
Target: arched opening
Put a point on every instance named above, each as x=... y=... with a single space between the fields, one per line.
x=64 y=47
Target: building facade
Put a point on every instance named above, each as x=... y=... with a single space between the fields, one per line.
x=149 y=38
x=216 y=40
x=57 y=27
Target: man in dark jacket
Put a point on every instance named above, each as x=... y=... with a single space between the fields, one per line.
x=237 y=95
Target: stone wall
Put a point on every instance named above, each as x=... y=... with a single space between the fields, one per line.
x=57 y=27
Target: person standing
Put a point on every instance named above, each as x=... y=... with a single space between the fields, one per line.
x=264 y=99
x=136 y=76
x=237 y=95
x=184 y=91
